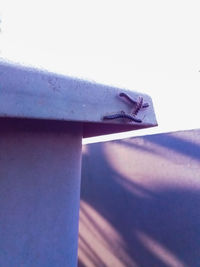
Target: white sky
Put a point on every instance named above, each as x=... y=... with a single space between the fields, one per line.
x=146 y=46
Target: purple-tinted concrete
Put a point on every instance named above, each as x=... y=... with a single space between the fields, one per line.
x=35 y=94
x=40 y=166
x=140 y=202
x=43 y=117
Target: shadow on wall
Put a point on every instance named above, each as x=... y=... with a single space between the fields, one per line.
x=140 y=202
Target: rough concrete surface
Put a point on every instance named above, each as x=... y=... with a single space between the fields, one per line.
x=39 y=193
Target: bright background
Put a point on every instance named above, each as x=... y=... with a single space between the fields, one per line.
x=146 y=46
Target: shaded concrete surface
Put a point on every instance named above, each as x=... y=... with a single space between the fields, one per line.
x=40 y=177
x=140 y=202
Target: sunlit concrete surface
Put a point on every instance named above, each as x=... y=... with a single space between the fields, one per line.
x=140 y=202
x=35 y=93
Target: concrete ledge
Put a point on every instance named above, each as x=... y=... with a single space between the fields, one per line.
x=36 y=94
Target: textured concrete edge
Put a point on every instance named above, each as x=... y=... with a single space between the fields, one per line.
x=37 y=94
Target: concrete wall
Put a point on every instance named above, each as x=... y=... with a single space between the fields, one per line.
x=40 y=166
x=140 y=202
